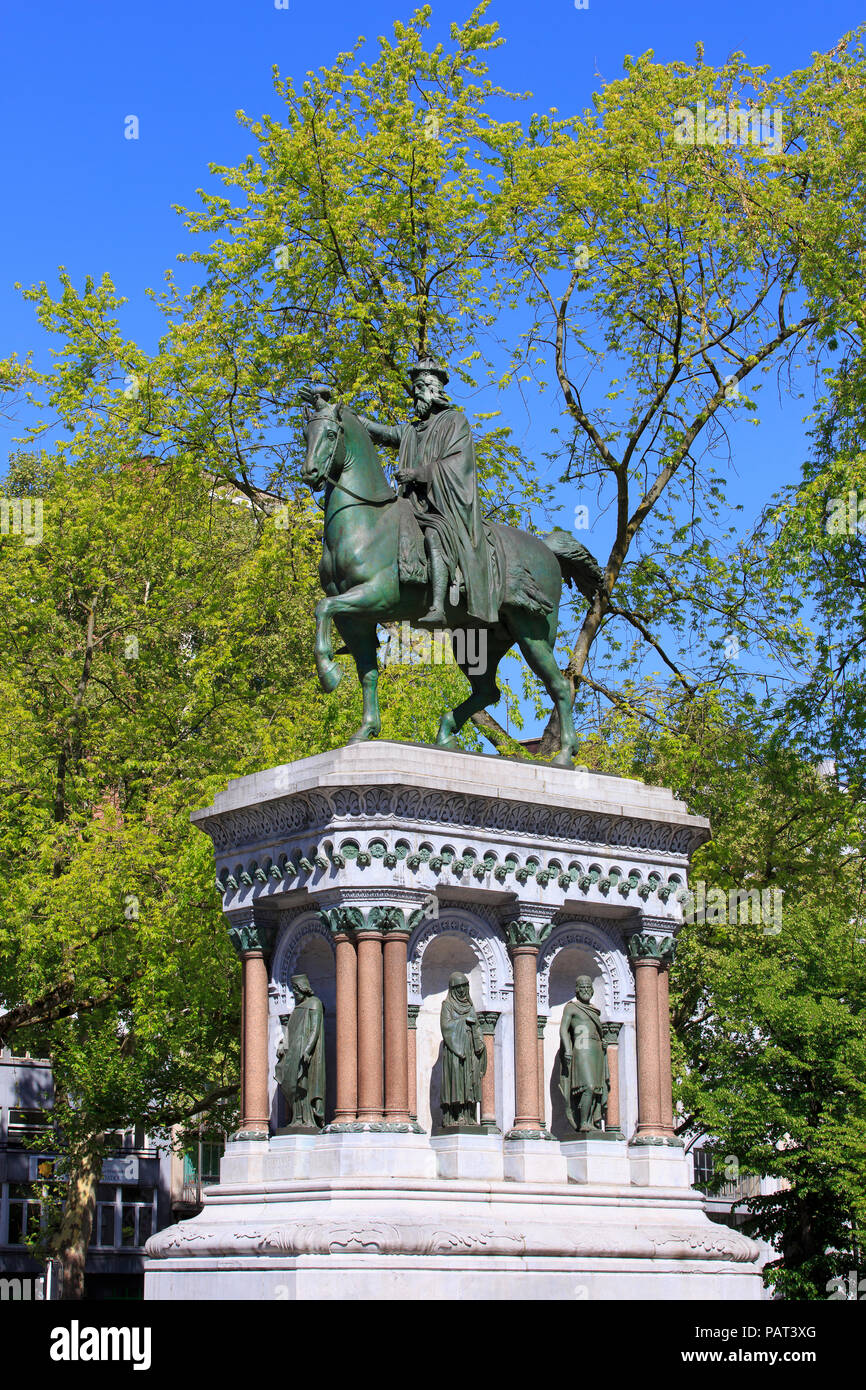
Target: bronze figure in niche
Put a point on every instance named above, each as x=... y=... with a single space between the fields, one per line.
x=584 y=1075
x=464 y=1056
x=300 y=1069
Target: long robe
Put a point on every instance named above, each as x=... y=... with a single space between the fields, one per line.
x=461 y=1069
x=589 y=1066
x=440 y=449
x=304 y=1090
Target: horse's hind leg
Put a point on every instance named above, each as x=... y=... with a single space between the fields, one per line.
x=480 y=671
x=361 y=642
x=539 y=656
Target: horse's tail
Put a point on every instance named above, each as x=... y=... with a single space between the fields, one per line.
x=579 y=568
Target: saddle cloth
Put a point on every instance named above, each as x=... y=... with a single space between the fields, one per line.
x=412 y=556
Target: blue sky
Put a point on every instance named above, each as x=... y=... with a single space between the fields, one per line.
x=81 y=195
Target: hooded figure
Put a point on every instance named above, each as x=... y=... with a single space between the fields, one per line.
x=300 y=1069
x=464 y=1056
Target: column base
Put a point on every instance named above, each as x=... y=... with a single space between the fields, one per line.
x=242 y=1135
x=525 y=1161
x=464 y=1155
x=373 y=1127
x=594 y=1160
x=670 y=1141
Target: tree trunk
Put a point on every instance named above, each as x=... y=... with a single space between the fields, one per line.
x=77 y=1223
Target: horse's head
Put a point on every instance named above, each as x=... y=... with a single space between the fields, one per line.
x=326 y=445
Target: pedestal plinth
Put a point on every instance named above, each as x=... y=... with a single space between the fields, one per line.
x=379 y=870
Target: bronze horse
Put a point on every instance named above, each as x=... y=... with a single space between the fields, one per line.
x=360 y=575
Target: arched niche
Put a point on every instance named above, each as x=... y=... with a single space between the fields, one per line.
x=447 y=952
x=576 y=948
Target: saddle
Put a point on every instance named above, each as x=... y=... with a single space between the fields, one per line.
x=412 y=564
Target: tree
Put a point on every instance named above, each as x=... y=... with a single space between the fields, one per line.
x=157 y=643
x=769 y=981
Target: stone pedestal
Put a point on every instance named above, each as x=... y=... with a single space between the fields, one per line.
x=378 y=870
x=469 y=1156
x=660 y=1165
x=596 y=1161
x=533 y=1160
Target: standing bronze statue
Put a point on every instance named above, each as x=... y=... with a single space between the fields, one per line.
x=464 y=1056
x=584 y=1076
x=388 y=556
x=300 y=1069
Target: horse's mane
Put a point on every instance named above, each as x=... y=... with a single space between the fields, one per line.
x=360 y=447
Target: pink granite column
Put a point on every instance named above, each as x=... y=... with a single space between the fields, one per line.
x=412 y=1013
x=524 y=959
x=370 y=1001
x=611 y=1031
x=347 y=1028
x=542 y=1099
x=488 y=1023
x=396 y=1032
x=646 y=956
x=255 y=1042
x=665 y=1076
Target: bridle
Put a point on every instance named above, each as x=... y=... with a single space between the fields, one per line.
x=333 y=482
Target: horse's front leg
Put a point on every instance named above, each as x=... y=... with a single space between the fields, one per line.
x=361 y=609
x=359 y=635
x=330 y=674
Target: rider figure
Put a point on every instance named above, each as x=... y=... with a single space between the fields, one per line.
x=436 y=470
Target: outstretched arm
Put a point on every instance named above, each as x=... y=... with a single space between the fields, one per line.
x=381 y=434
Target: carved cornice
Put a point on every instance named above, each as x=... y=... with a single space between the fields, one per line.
x=315 y=811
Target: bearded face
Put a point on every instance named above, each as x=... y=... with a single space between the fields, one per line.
x=428 y=393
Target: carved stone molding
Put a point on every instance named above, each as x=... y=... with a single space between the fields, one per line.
x=251 y=929
x=315 y=811
x=643 y=946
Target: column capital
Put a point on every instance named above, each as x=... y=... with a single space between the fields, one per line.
x=610 y=1032
x=252 y=929
x=412 y=1012
x=541 y=1023
x=526 y=931
x=342 y=921
x=645 y=948
x=488 y=1021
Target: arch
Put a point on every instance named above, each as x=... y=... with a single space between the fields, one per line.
x=295 y=930
x=602 y=940
x=483 y=939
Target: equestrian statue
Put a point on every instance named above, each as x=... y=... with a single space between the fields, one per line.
x=425 y=554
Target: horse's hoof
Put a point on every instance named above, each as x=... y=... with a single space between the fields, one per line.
x=435 y=618
x=330 y=675
x=450 y=744
x=563 y=759
x=365 y=732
